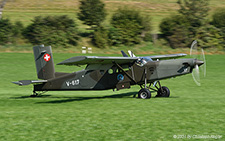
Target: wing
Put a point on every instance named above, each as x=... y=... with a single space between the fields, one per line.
x=169 y=56
x=84 y=60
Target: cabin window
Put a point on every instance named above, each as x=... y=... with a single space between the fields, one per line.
x=110 y=71
x=102 y=72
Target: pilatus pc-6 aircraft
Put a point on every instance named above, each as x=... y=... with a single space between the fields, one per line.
x=102 y=73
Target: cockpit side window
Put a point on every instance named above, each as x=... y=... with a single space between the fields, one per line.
x=141 y=62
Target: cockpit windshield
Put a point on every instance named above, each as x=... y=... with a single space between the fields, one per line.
x=143 y=60
x=147 y=59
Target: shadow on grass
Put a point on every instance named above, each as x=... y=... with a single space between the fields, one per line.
x=71 y=99
x=23 y=97
x=64 y=99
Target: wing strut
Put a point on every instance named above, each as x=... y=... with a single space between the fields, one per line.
x=125 y=72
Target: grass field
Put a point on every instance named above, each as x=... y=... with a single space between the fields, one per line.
x=25 y=10
x=108 y=115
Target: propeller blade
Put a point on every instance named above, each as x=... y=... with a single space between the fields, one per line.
x=196 y=76
x=197 y=69
x=204 y=66
x=193 y=50
x=198 y=54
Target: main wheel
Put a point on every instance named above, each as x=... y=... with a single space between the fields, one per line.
x=144 y=93
x=163 y=92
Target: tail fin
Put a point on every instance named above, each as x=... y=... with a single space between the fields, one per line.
x=44 y=62
x=124 y=54
x=131 y=53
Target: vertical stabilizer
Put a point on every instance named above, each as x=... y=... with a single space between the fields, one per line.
x=131 y=53
x=124 y=54
x=44 y=62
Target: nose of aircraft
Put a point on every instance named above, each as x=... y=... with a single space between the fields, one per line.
x=199 y=62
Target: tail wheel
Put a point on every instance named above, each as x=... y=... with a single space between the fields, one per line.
x=163 y=92
x=144 y=93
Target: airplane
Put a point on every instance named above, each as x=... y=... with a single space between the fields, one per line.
x=103 y=73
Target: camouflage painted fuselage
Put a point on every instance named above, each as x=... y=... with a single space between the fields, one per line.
x=110 y=76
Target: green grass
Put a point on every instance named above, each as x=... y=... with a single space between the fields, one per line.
x=108 y=115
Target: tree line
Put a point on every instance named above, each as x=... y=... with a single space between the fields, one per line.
x=192 y=23
x=126 y=27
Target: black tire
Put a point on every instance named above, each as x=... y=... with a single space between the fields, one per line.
x=144 y=93
x=163 y=92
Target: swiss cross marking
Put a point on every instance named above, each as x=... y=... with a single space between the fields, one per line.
x=47 y=57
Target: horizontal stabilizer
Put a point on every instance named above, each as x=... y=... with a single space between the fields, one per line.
x=169 y=56
x=28 y=82
x=84 y=60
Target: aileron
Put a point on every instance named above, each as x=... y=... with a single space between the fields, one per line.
x=168 y=56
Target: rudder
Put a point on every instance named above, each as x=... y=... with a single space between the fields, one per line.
x=44 y=62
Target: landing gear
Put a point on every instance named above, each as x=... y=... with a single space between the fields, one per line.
x=144 y=93
x=35 y=94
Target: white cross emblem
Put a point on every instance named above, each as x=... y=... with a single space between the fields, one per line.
x=47 y=57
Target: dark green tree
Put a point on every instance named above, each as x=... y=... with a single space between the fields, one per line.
x=92 y=12
x=52 y=30
x=17 y=30
x=219 y=18
x=6 y=31
x=168 y=24
x=195 y=11
x=219 y=22
x=180 y=30
x=100 y=37
x=175 y=31
x=129 y=26
x=210 y=37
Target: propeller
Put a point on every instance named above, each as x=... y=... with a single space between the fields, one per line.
x=198 y=54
